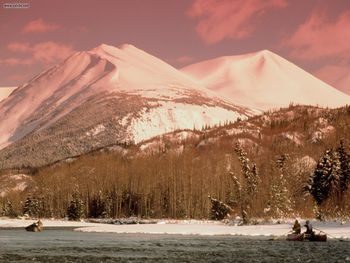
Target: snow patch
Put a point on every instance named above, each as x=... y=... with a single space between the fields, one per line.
x=247 y=142
x=171 y=116
x=322 y=133
x=293 y=136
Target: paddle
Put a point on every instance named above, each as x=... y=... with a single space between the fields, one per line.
x=336 y=238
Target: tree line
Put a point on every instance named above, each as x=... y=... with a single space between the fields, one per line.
x=212 y=183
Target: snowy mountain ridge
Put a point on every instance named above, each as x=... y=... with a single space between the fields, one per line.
x=123 y=95
x=264 y=80
x=101 y=97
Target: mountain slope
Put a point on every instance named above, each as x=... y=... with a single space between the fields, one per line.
x=264 y=80
x=102 y=97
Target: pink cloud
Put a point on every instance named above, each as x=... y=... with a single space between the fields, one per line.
x=18 y=47
x=44 y=53
x=336 y=75
x=39 y=26
x=320 y=37
x=229 y=19
x=16 y=61
x=48 y=52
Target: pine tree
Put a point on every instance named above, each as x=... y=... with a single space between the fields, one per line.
x=344 y=176
x=248 y=190
x=7 y=209
x=100 y=206
x=250 y=175
x=32 y=207
x=325 y=177
x=237 y=188
x=75 y=211
x=280 y=203
x=219 y=210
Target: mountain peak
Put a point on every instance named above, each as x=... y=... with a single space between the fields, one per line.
x=102 y=47
x=264 y=80
x=127 y=46
x=265 y=52
x=105 y=48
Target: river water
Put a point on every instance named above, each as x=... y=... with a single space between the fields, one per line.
x=65 y=245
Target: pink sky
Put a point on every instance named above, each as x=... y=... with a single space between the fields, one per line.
x=314 y=34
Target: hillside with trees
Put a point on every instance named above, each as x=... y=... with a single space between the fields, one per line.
x=285 y=163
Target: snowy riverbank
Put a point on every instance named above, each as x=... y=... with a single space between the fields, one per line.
x=21 y=223
x=211 y=228
x=187 y=227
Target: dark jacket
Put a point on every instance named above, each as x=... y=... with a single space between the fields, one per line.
x=309 y=229
x=296 y=227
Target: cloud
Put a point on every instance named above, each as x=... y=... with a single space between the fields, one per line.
x=229 y=19
x=337 y=76
x=16 y=61
x=48 y=52
x=44 y=53
x=39 y=26
x=320 y=37
x=18 y=47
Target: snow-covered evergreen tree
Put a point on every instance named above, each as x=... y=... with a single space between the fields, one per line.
x=237 y=188
x=100 y=206
x=6 y=209
x=250 y=175
x=76 y=209
x=32 y=207
x=325 y=177
x=248 y=188
x=344 y=176
x=219 y=210
x=280 y=203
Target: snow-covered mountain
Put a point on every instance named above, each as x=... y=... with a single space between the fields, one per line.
x=264 y=80
x=5 y=92
x=101 y=97
x=111 y=95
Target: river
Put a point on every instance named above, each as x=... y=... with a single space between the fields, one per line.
x=65 y=245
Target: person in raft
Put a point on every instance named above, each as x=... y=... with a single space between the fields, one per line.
x=309 y=229
x=296 y=227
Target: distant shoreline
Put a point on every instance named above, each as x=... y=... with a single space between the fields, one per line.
x=184 y=227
